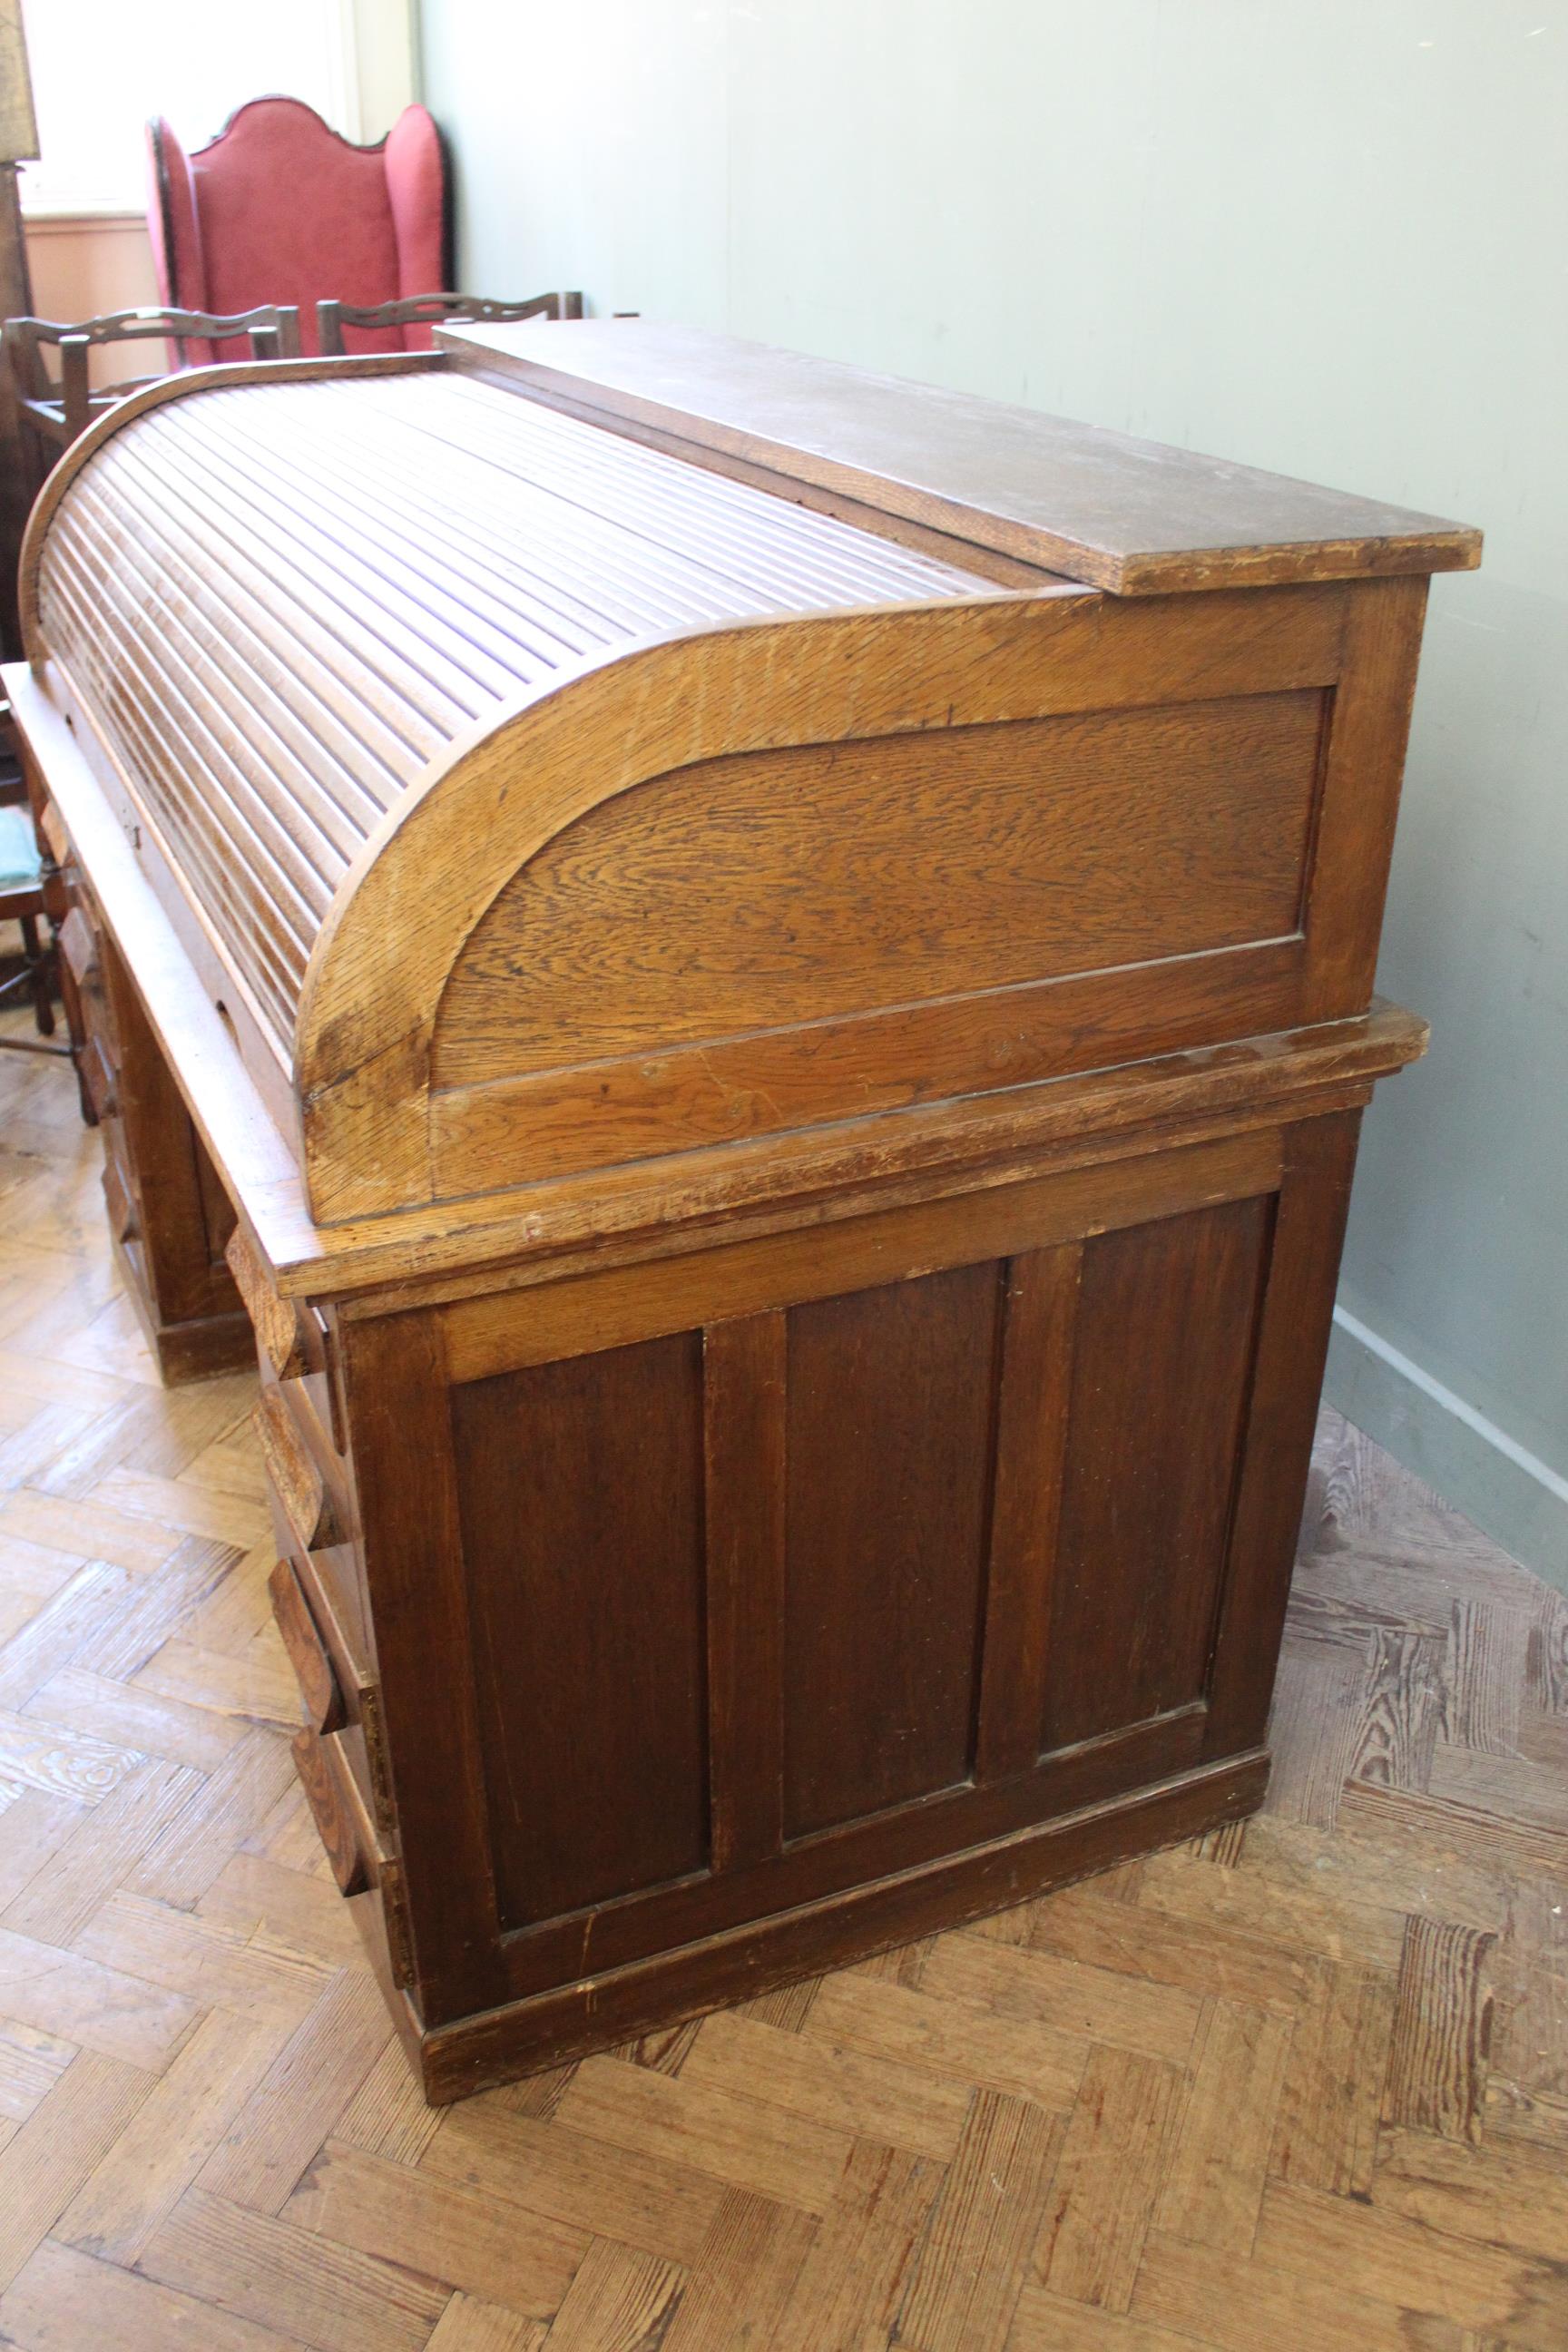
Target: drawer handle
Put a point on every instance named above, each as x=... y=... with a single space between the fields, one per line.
x=319 y=1686
x=297 y=1478
x=338 y=1821
x=78 y=947
x=279 y=1327
x=117 y=1199
x=98 y=1076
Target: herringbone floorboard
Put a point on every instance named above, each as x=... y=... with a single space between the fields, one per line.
x=1303 y=2084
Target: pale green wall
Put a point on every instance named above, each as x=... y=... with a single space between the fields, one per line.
x=1328 y=237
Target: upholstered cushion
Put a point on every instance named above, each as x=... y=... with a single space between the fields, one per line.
x=278 y=208
x=20 y=866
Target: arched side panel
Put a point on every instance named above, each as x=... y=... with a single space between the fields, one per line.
x=770 y=876
x=782 y=937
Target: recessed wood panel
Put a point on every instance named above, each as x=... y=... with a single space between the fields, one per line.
x=1165 y=1336
x=889 y=1475
x=581 y=1487
x=778 y=888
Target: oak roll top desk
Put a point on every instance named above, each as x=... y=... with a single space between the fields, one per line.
x=754 y=985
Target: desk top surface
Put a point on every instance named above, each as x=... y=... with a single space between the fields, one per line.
x=1130 y=516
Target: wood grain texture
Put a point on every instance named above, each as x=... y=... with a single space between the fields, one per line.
x=1131 y=516
x=1154 y=1440
x=745 y=1375
x=1411 y=2237
x=829 y=678
x=890 y=1394
x=1442 y=2041
x=565 y=1470
x=1050 y=845
x=244 y=1126
x=505 y=1330
x=1034 y=1398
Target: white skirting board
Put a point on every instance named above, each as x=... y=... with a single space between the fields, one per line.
x=1510 y=1495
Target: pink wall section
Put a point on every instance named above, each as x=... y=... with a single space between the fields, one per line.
x=82 y=267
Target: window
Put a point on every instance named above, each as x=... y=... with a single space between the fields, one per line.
x=100 y=68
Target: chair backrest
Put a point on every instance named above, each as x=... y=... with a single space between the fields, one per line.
x=58 y=412
x=279 y=209
x=334 y=320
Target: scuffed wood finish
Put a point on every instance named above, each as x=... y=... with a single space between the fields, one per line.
x=781 y=1111
x=1135 y=517
x=279 y=1323
x=299 y=1479
x=328 y=1793
x=323 y=1700
x=1442 y=2046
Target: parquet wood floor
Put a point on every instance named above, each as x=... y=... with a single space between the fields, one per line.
x=1304 y=2085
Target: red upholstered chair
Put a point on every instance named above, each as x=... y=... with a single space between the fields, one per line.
x=278 y=208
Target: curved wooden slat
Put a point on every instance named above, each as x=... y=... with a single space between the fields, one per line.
x=286 y=599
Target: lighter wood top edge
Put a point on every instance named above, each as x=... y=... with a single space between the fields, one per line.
x=1078 y=500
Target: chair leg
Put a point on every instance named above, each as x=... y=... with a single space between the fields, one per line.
x=40 y=964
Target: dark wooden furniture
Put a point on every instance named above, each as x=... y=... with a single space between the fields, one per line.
x=434 y=310
x=760 y=981
x=59 y=410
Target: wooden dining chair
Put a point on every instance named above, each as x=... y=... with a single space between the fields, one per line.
x=60 y=409
x=431 y=310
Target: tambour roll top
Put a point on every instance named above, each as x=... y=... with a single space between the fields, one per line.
x=286 y=604
x=552 y=755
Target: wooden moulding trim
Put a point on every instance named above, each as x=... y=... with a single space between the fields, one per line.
x=423 y=879
x=183 y=387
x=671 y=1099
x=591 y=1311
x=552 y=2027
x=657 y=1207
x=904 y=1836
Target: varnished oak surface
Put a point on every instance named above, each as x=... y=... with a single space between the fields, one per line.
x=1135 y=517
x=759 y=1184
x=1303 y=2084
x=529 y=803
x=282 y=600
